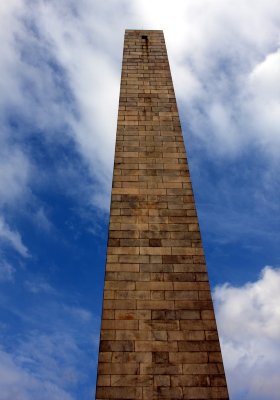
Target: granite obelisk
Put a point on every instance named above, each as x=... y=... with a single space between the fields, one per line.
x=159 y=338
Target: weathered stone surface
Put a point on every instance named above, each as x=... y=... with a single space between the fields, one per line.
x=159 y=337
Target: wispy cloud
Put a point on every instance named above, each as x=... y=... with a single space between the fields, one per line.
x=7 y=272
x=20 y=384
x=53 y=360
x=42 y=221
x=38 y=286
x=79 y=313
x=14 y=172
x=12 y=238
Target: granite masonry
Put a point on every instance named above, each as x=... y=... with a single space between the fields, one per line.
x=159 y=337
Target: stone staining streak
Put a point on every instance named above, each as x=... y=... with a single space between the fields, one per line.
x=158 y=338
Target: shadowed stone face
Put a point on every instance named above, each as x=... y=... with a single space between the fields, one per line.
x=159 y=337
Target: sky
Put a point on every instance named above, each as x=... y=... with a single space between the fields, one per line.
x=60 y=71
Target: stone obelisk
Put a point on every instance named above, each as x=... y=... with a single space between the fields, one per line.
x=159 y=338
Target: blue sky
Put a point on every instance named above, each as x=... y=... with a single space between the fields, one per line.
x=60 y=73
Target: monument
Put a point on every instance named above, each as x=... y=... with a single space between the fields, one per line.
x=159 y=338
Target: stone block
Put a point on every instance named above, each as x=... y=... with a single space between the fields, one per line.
x=133 y=314
x=131 y=357
x=161 y=380
x=116 y=345
x=154 y=304
x=188 y=357
x=131 y=380
x=119 y=369
x=118 y=393
x=156 y=345
x=161 y=369
x=163 y=392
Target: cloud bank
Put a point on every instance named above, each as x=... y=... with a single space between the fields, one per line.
x=61 y=65
x=249 y=326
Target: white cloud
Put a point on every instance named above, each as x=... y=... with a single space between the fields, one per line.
x=263 y=105
x=215 y=48
x=61 y=77
x=249 y=326
x=13 y=238
x=10 y=90
x=93 y=72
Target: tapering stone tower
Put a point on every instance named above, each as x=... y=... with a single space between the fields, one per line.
x=158 y=338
